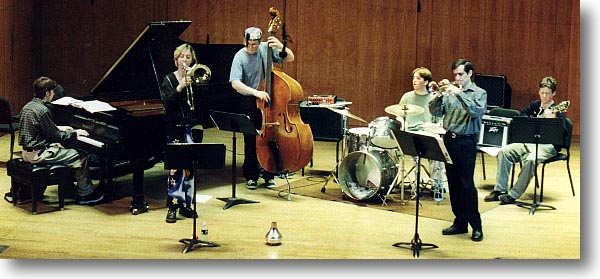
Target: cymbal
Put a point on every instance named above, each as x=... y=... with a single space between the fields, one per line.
x=404 y=109
x=345 y=112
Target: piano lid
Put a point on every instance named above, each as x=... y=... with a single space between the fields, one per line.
x=135 y=73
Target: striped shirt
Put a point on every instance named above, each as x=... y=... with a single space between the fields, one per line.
x=38 y=128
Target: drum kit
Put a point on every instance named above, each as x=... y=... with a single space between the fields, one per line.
x=374 y=164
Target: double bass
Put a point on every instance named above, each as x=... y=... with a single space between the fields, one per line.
x=286 y=143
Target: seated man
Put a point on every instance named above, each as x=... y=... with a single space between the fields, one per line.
x=41 y=140
x=525 y=152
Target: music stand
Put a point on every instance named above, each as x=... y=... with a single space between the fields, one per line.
x=420 y=145
x=233 y=122
x=538 y=131
x=195 y=156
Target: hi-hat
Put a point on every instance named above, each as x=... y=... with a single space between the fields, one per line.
x=404 y=109
x=346 y=113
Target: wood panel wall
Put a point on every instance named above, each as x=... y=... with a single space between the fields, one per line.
x=16 y=61
x=363 y=51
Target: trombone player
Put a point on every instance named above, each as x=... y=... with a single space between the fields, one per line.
x=177 y=95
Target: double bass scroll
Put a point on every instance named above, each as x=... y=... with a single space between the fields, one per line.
x=286 y=143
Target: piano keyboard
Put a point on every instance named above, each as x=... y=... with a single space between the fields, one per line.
x=90 y=141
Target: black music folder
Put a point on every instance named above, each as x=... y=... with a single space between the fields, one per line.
x=537 y=130
x=233 y=122
x=195 y=155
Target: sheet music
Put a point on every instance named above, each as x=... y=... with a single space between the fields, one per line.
x=90 y=141
x=438 y=139
x=202 y=198
x=91 y=106
x=336 y=105
x=492 y=150
x=65 y=101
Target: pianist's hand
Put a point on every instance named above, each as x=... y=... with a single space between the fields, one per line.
x=65 y=128
x=81 y=132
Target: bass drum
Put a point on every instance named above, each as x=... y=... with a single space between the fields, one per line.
x=363 y=174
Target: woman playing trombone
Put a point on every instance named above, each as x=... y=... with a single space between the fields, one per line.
x=176 y=93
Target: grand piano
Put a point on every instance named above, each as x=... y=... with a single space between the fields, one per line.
x=132 y=138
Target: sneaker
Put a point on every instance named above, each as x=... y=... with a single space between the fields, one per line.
x=90 y=199
x=506 y=199
x=493 y=196
x=270 y=183
x=188 y=212
x=251 y=184
x=171 y=216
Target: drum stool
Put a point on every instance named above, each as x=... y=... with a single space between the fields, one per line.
x=37 y=177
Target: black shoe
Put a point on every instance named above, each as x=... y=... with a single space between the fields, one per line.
x=251 y=184
x=453 y=230
x=188 y=212
x=91 y=199
x=171 y=216
x=493 y=196
x=270 y=183
x=477 y=235
x=506 y=199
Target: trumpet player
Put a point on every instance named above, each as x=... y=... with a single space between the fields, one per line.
x=462 y=109
x=180 y=121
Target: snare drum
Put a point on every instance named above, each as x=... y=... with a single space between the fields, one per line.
x=381 y=132
x=358 y=139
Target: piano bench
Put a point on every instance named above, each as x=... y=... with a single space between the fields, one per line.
x=37 y=177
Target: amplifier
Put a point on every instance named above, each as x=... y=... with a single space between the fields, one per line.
x=494 y=131
x=325 y=124
x=498 y=90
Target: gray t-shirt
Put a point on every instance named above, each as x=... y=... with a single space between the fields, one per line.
x=415 y=122
x=248 y=68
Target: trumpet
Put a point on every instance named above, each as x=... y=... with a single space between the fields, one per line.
x=199 y=74
x=443 y=88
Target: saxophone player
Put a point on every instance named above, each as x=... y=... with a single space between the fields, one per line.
x=525 y=152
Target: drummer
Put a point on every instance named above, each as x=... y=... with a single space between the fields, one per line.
x=419 y=96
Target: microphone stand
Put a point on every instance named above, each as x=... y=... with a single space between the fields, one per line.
x=181 y=156
x=535 y=205
x=429 y=147
x=334 y=173
x=537 y=131
x=192 y=242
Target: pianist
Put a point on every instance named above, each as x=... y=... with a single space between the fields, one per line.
x=41 y=140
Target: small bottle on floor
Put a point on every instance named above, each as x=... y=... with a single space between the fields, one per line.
x=204 y=231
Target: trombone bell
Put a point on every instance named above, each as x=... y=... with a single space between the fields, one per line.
x=199 y=73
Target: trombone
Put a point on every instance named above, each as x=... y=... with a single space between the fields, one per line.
x=199 y=74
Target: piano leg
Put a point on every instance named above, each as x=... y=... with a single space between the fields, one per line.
x=137 y=204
